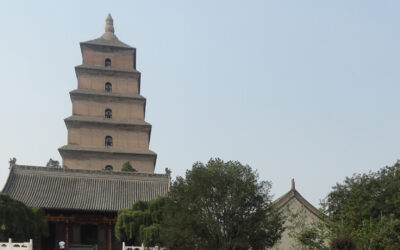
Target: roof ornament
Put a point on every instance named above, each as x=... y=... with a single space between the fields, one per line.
x=109 y=29
x=53 y=164
x=12 y=162
x=293 y=185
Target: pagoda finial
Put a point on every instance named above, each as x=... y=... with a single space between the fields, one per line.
x=109 y=29
x=109 y=24
x=293 y=185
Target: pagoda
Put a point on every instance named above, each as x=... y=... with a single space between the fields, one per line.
x=81 y=198
x=107 y=126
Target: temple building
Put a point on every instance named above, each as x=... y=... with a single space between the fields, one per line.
x=299 y=214
x=82 y=197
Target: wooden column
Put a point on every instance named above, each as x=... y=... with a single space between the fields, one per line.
x=67 y=235
x=109 y=238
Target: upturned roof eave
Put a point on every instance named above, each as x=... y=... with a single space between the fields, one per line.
x=8 y=180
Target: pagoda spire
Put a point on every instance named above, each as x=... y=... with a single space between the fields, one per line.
x=109 y=29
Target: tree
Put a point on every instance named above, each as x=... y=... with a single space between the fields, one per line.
x=20 y=222
x=220 y=205
x=128 y=167
x=307 y=234
x=366 y=208
x=344 y=243
x=141 y=223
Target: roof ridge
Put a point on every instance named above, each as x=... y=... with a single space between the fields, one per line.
x=293 y=193
x=88 y=171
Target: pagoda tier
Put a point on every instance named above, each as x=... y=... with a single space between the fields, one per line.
x=107 y=126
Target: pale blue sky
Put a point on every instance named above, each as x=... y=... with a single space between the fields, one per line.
x=296 y=89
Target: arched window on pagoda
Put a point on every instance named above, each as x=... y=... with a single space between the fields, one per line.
x=108 y=87
x=108 y=113
x=107 y=62
x=109 y=168
x=108 y=141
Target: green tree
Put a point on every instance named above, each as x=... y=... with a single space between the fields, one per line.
x=310 y=235
x=342 y=243
x=220 y=205
x=20 y=222
x=366 y=208
x=141 y=223
x=127 y=167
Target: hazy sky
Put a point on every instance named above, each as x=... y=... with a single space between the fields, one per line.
x=296 y=89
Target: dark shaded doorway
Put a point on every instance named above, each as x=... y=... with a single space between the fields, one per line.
x=89 y=234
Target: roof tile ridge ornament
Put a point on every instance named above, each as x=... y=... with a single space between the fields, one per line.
x=13 y=162
x=168 y=173
x=109 y=29
x=293 y=189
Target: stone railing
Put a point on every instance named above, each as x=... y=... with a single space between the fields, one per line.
x=16 y=245
x=142 y=247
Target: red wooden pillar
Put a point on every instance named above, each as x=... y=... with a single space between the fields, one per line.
x=109 y=238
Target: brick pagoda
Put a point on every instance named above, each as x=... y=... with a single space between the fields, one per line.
x=107 y=126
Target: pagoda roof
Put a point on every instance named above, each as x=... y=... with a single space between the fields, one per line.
x=108 y=38
x=111 y=150
x=89 y=92
x=107 y=121
x=104 y=70
x=76 y=189
x=104 y=42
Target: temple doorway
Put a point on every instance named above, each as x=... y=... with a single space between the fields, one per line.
x=88 y=234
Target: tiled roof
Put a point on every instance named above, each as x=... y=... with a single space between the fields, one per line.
x=293 y=194
x=92 y=190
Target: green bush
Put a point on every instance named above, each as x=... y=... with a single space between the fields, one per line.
x=127 y=167
x=20 y=222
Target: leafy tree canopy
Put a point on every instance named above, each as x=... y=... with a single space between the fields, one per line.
x=128 y=167
x=220 y=205
x=20 y=222
x=366 y=207
x=141 y=223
